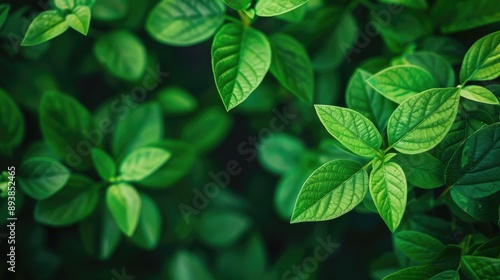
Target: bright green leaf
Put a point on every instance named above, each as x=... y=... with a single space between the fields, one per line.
x=423 y=120
x=389 y=191
x=350 y=128
x=270 y=8
x=422 y=170
x=418 y=246
x=122 y=53
x=479 y=94
x=41 y=178
x=482 y=61
x=474 y=167
x=332 y=190
x=222 y=228
x=64 y=4
x=241 y=58
x=104 y=164
x=446 y=275
x=481 y=268
x=291 y=66
x=398 y=83
x=11 y=122
x=364 y=99
x=45 y=26
x=79 y=19
x=185 y=22
x=124 y=203
x=73 y=203
x=142 y=162
x=147 y=234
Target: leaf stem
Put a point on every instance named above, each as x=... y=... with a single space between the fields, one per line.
x=244 y=19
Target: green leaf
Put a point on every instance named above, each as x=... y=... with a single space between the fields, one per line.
x=491 y=248
x=337 y=48
x=221 y=228
x=415 y=4
x=389 y=191
x=332 y=190
x=207 y=129
x=184 y=23
x=4 y=13
x=414 y=273
x=296 y=15
x=188 y=266
x=45 y=26
x=482 y=61
x=179 y=164
x=350 y=128
x=238 y=5
x=270 y=8
x=66 y=127
x=104 y=164
x=288 y=189
x=64 y=4
x=480 y=268
x=110 y=9
x=241 y=58
x=11 y=122
x=474 y=167
x=449 y=48
x=422 y=170
x=137 y=128
x=397 y=83
x=79 y=19
x=457 y=134
x=423 y=120
x=147 y=234
x=142 y=162
x=246 y=262
x=436 y=65
x=480 y=208
x=176 y=101
x=281 y=153
x=100 y=234
x=479 y=94
x=41 y=178
x=122 y=54
x=418 y=246
x=466 y=14
x=124 y=203
x=364 y=99
x=446 y=275
x=72 y=204
x=291 y=66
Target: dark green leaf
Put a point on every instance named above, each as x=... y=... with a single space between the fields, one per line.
x=480 y=268
x=41 y=178
x=292 y=67
x=11 y=122
x=422 y=170
x=147 y=234
x=73 y=203
x=418 y=246
x=222 y=228
x=207 y=129
x=104 y=164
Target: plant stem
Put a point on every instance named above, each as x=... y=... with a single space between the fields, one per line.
x=244 y=19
